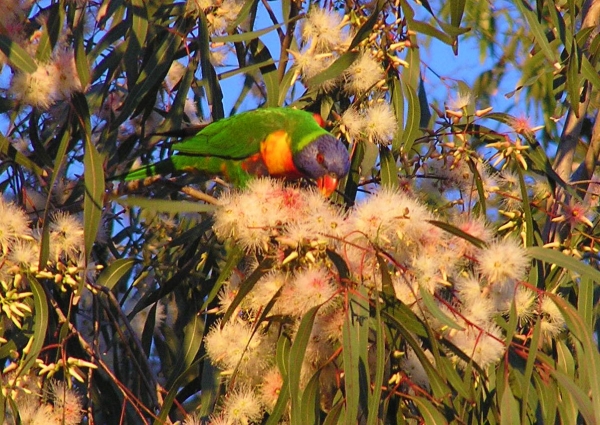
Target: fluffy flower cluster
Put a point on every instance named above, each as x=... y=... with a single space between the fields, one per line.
x=20 y=255
x=324 y=36
x=61 y=405
x=220 y=15
x=388 y=234
x=20 y=245
x=376 y=123
x=268 y=210
x=51 y=82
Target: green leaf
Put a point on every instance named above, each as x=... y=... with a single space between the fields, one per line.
x=166 y=206
x=41 y=319
x=261 y=53
x=552 y=256
x=334 y=70
x=153 y=72
x=388 y=168
x=426 y=28
x=81 y=62
x=350 y=182
x=574 y=79
x=413 y=117
x=295 y=361
x=527 y=214
x=589 y=357
x=93 y=176
x=457 y=9
x=565 y=362
x=398 y=105
x=405 y=319
x=8 y=150
x=588 y=71
x=585 y=301
x=17 y=56
x=163 y=414
x=263 y=268
x=431 y=31
x=355 y=333
x=333 y=417
x=245 y=69
x=285 y=85
x=537 y=30
x=436 y=312
x=548 y=396
x=209 y=389
x=509 y=407
x=458 y=232
x=193 y=334
x=282 y=360
x=369 y=159
x=234 y=255
x=380 y=365
x=50 y=33
x=366 y=29
x=59 y=159
x=424 y=106
x=429 y=414
x=575 y=392
x=250 y=35
x=114 y=272
x=310 y=404
x=209 y=76
x=531 y=358
x=139 y=24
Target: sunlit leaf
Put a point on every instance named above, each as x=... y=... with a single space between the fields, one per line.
x=18 y=57
x=165 y=206
x=389 y=170
x=41 y=320
x=113 y=274
x=93 y=176
x=295 y=362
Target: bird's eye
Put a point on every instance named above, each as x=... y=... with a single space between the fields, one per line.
x=320 y=158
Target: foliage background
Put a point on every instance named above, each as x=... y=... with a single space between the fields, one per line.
x=88 y=317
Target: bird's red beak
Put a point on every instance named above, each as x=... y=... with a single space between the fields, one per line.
x=327 y=184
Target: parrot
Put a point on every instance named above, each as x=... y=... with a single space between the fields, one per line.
x=278 y=142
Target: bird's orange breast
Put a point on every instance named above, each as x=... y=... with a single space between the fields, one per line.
x=276 y=154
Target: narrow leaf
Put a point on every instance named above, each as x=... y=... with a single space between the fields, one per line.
x=114 y=272
x=429 y=414
x=193 y=333
x=538 y=31
x=334 y=70
x=574 y=79
x=551 y=256
x=413 y=117
x=8 y=150
x=388 y=168
x=509 y=408
x=355 y=332
x=295 y=361
x=41 y=319
x=436 y=312
x=165 y=206
x=17 y=56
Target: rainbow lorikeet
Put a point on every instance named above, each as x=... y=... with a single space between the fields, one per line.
x=278 y=142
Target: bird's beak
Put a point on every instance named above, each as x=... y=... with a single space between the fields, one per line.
x=327 y=184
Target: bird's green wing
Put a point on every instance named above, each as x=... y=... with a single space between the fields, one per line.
x=240 y=136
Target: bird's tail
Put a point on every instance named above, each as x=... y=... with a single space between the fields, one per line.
x=160 y=168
